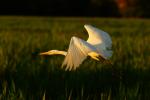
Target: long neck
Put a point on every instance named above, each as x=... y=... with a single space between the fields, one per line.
x=54 y=52
x=61 y=53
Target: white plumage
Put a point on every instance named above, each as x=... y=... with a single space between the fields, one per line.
x=100 y=40
x=98 y=46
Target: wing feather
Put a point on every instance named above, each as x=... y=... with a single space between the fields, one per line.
x=77 y=53
x=100 y=40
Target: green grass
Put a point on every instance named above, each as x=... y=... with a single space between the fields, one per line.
x=26 y=76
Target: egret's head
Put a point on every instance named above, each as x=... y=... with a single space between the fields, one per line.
x=51 y=52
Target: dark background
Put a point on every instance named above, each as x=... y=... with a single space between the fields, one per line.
x=101 y=8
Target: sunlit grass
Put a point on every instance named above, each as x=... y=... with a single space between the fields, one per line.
x=25 y=75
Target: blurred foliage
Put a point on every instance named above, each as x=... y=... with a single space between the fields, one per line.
x=133 y=8
x=24 y=75
x=102 y=8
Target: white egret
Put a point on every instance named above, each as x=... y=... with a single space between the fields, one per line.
x=98 y=46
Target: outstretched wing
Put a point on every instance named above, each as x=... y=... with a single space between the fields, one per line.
x=100 y=40
x=77 y=53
